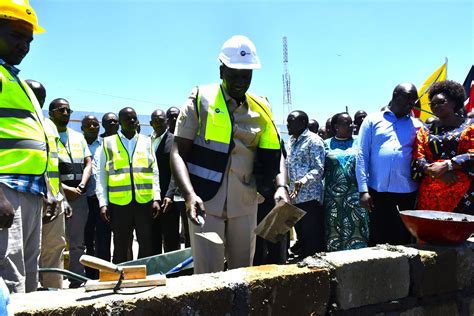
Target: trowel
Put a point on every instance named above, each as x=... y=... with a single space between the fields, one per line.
x=210 y=236
x=116 y=277
x=279 y=221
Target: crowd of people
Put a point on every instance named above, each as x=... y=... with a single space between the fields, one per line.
x=216 y=165
x=384 y=162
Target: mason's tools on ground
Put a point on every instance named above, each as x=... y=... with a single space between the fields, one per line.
x=116 y=277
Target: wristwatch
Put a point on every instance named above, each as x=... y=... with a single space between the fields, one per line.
x=286 y=186
x=449 y=164
x=81 y=186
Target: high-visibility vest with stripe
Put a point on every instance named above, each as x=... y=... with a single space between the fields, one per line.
x=23 y=145
x=208 y=160
x=53 y=160
x=71 y=158
x=129 y=179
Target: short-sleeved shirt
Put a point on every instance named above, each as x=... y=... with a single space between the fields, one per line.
x=237 y=195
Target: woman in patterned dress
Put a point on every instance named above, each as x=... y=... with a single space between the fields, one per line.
x=346 y=221
x=444 y=153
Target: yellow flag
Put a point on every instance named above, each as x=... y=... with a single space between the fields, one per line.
x=423 y=91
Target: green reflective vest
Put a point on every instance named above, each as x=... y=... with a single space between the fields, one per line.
x=23 y=145
x=212 y=144
x=53 y=160
x=71 y=158
x=129 y=179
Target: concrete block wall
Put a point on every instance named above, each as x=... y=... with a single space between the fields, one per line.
x=383 y=280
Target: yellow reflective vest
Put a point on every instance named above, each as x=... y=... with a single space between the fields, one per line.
x=129 y=179
x=212 y=144
x=53 y=160
x=23 y=143
x=71 y=158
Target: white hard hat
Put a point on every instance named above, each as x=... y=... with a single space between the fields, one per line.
x=239 y=52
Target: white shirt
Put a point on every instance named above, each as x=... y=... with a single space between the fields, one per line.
x=156 y=141
x=99 y=169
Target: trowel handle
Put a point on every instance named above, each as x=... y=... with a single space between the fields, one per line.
x=99 y=264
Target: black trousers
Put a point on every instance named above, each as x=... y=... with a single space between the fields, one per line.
x=181 y=206
x=267 y=252
x=125 y=219
x=385 y=224
x=310 y=228
x=166 y=231
x=97 y=235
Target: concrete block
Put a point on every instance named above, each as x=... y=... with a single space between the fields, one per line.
x=471 y=307
x=266 y=290
x=439 y=269
x=466 y=261
x=286 y=290
x=207 y=294
x=450 y=309
x=368 y=276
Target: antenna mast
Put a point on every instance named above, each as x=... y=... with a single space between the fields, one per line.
x=286 y=81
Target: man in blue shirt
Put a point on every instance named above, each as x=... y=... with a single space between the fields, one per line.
x=383 y=166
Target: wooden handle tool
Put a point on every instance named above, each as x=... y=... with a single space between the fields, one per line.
x=99 y=264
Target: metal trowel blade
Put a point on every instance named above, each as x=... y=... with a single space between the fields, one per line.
x=212 y=237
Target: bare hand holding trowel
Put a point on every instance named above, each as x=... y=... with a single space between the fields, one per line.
x=195 y=207
x=197 y=214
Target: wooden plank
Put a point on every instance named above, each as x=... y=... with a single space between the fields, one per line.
x=131 y=273
x=152 y=280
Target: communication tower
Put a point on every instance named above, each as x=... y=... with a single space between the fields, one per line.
x=286 y=81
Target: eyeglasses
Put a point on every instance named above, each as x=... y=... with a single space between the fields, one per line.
x=61 y=110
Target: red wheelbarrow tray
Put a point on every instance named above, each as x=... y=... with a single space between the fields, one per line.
x=436 y=227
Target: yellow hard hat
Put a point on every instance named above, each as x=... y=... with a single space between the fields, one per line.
x=20 y=10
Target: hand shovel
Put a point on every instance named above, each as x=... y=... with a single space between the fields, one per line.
x=210 y=236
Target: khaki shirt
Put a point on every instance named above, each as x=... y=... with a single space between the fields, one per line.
x=237 y=195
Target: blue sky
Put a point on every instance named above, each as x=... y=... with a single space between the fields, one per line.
x=104 y=55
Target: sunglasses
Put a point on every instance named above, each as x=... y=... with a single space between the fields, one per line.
x=61 y=110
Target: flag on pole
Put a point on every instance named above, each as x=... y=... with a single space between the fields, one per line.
x=469 y=103
x=469 y=88
x=424 y=111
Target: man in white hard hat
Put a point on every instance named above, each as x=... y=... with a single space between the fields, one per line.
x=23 y=153
x=222 y=136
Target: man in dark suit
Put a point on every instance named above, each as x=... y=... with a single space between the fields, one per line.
x=166 y=226
x=178 y=202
